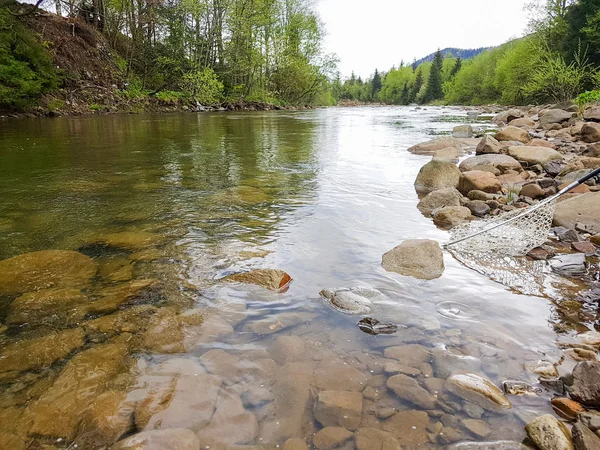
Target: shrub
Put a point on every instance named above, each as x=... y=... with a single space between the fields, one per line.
x=203 y=86
x=585 y=98
x=170 y=96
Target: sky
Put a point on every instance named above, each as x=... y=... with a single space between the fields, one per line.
x=380 y=33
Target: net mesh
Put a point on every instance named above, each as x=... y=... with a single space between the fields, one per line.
x=515 y=238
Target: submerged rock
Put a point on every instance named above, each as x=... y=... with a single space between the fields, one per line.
x=375 y=439
x=353 y=300
x=497 y=445
x=547 y=433
x=45 y=269
x=339 y=409
x=57 y=307
x=174 y=438
x=419 y=258
x=478 y=390
x=131 y=241
x=231 y=424
x=374 y=327
x=408 y=389
x=409 y=427
x=520 y=388
x=274 y=280
x=331 y=437
x=130 y=293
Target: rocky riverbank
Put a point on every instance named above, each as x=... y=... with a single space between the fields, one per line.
x=534 y=153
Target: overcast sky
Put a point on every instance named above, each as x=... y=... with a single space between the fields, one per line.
x=380 y=33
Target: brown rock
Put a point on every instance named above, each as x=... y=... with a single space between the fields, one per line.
x=586 y=383
x=450 y=216
x=274 y=280
x=595 y=239
x=409 y=389
x=113 y=298
x=411 y=355
x=522 y=122
x=339 y=409
x=496 y=164
x=45 y=269
x=430 y=147
x=583 y=209
x=542 y=143
x=295 y=444
x=513 y=134
x=590 y=132
x=409 y=427
x=478 y=427
x=286 y=349
x=480 y=181
x=419 y=258
x=334 y=374
x=437 y=174
x=174 y=438
x=108 y=418
x=127 y=240
x=584 y=247
x=331 y=437
x=439 y=199
x=584 y=438
x=230 y=425
x=488 y=145
x=566 y=408
x=375 y=439
x=534 y=155
x=478 y=390
x=57 y=307
x=533 y=191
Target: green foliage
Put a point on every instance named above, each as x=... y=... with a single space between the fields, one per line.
x=375 y=85
x=203 y=86
x=97 y=107
x=434 y=81
x=55 y=104
x=513 y=70
x=26 y=69
x=134 y=89
x=586 y=98
x=170 y=96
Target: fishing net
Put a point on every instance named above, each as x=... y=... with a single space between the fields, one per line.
x=513 y=233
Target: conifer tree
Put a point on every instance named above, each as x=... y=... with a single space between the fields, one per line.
x=434 y=82
x=375 y=84
x=457 y=67
x=405 y=97
x=417 y=86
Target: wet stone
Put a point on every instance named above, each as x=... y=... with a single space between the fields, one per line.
x=477 y=427
x=566 y=408
x=331 y=437
x=375 y=439
x=374 y=327
x=543 y=368
x=497 y=445
x=409 y=427
x=334 y=374
x=56 y=307
x=419 y=258
x=126 y=294
x=295 y=444
x=547 y=433
x=174 y=438
x=348 y=300
x=411 y=354
x=339 y=409
x=445 y=363
x=126 y=240
x=520 y=388
x=478 y=390
x=409 y=389
x=287 y=349
x=108 y=418
x=274 y=280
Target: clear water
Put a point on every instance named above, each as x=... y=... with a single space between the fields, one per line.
x=324 y=194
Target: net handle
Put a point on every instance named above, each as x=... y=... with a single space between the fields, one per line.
x=529 y=210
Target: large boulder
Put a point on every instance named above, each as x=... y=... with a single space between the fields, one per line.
x=47 y=269
x=438 y=199
x=592 y=114
x=586 y=383
x=505 y=117
x=496 y=164
x=522 y=122
x=478 y=180
x=430 y=147
x=583 y=209
x=450 y=216
x=478 y=390
x=513 y=134
x=590 y=132
x=488 y=145
x=419 y=258
x=533 y=155
x=437 y=174
x=547 y=433
x=555 y=116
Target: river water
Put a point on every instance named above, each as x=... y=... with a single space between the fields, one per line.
x=320 y=194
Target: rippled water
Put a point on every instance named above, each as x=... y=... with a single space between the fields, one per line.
x=320 y=194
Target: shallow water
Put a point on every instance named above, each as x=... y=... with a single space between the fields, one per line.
x=320 y=194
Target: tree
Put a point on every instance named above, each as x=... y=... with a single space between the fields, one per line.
x=434 y=89
x=375 y=85
x=456 y=68
x=416 y=86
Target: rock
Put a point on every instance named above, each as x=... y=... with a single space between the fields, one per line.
x=277 y=322
x=555 y=116
x=586 y=383
x=565 y=235
x=174 y=438
x=483 y=196
x=127 y=240
x=595 y=239
x=584 y=247
x=576 y=175
x=590 y=132
x=478 y=390
x=419 y=258
x=373 y=327
x=167 y=331
x=449 y=154
x=554 y=167
x=592 y=113
x=533 y=191
x=339 y=409
x=478 y=180
x=394 y=367
x=54 y=307
x=133 y=292
x=116 y=269
x=450 y=216
x=331 y=437
x=353 y=300
x=462 y=131
x=520 y=388
x=46 y=269
x=240 y=195
x=477 y=427
x=409 y=427
x=591 y=419
x=438 y=199
x=592 y=151
x=584 y=209
x=80 y=382
x=39 y=353
x=430 y=147
x=522 y=122
x=547 y=433
x=569 y=265
x=223 y=365
x=230 y=425
x=542 y=143
x=287 y=349
x=496 y=164
x=478 y=208
x=375 y=439
x=513 y=134
x=566 y=408
x=497 y=445
x=274 y=280
x=584 y=438
x=446 y=363
x=409 y=389
x=411 y=354
x=534 y=155
x=507 y=116
x=448 y=435
x=107 y=419
x=488 y=145
x=437 y=174
x=295 y=444
x=334 y=374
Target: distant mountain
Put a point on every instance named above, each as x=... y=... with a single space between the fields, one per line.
x=455 y=52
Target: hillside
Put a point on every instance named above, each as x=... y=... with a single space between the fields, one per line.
x=454 y=52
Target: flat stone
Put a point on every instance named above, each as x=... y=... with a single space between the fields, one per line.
x=496 y=164
x=334 y=374
x=225 y=366
x=547 y=433
x=44 y=270
x=584 y=247
x=231 y=424
x=583 y=209
x=274 y=280
x=419 y=258
x=108 y=418
x=133 y=292
x=339 y=409
x=411 y=354
x=445 y=363
x=173 y=438
x=584 y=438
x=127 y=240
x=408 y=389
x=409 y=427
x=295 y=444
x=286 y=349
x=477 y=427
x=555 y=116
x=394 y=367
x=534 y=155
x=331 y=437
x=478 y=180
x=54 y=307
x=375 y=439
x=478 y=390
x=566 y=408
x=569 y=265
x=532 y=190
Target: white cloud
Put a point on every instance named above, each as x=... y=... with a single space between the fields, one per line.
x=380 y=33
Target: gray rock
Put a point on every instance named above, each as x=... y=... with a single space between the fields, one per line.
x=534 y=155
x=450 y=216
x=437 y=174
x=576 y=175
x=445 y=363
x=547 y=433
x=584 y=438
x=438 y=199
x=419 y=258
x=478 y=208
x=555 y=116
x=408 y=389
x=462 y=131
x=592 y=113
x=349 y=300
x=590 y=419
x=430 y=147
x=584 y=209
x=569 y=265
x=507 y=116
x=478 y=390
x=488 y=145
x=586 y=383
x=496 y=164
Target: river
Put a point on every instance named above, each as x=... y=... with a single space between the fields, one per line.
x=320 y=194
